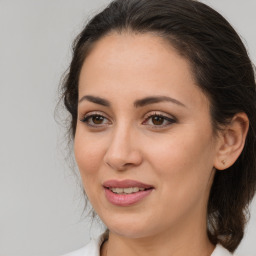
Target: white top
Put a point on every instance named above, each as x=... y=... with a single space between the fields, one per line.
x=93 y=249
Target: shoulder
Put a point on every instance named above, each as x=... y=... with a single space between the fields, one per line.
x=91 y=249
x=221 y=251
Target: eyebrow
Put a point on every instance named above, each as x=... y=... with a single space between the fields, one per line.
x=156 y=99
x=96 y=100
x=138 y=103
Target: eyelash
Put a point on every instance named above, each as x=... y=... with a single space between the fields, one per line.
x=165 y=118
x=88 y=118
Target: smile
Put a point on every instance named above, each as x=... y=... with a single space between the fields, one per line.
x=126 y=192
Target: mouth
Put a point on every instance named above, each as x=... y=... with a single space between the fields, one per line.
x=126 y=192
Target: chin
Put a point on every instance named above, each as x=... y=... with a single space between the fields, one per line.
x=129 y=228
x=129 y=233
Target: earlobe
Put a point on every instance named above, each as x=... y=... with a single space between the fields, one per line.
x=231 y=141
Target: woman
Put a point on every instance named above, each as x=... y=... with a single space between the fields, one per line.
x=162 y=99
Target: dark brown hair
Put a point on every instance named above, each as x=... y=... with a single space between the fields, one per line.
x=223 y=71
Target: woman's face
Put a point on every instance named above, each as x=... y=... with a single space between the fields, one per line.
x=144 y=142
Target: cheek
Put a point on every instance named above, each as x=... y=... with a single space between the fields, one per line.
x=183 y=168
x=88 y=154
x=183 y=161
x=179 y=150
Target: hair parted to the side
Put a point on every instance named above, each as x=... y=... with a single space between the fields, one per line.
x=221 y=68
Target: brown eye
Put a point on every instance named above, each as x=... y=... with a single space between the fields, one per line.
x=97 y=119
x=157 y=120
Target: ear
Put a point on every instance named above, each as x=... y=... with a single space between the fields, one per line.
x=231 y=141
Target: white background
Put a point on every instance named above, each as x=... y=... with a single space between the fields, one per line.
x=40 y=201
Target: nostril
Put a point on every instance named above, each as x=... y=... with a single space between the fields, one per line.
x=121 y=162
x=117 y=163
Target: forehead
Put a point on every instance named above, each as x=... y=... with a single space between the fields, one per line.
x=128 y=52
x=139 y=64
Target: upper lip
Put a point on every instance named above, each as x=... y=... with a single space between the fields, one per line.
x=125 y=184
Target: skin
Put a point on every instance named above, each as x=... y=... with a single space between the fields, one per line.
x=177 y=158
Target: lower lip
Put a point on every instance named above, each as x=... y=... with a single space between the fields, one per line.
x=126 y=199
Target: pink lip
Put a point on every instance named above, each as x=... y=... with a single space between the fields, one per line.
x=126 y=199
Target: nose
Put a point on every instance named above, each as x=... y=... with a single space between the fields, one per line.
x=123 y=152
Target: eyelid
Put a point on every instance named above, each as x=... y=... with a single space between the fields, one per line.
x=171 y=119
x=159 y=113
x=167 y=117
x=90 y=115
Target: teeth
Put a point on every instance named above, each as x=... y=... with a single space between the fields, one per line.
x=118 y=190
x=134 y=190
x=126 y=190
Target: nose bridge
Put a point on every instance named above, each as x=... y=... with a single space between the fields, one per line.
x=121 y=135
x=122 y=150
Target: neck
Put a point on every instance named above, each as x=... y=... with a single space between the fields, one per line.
x=127 y=247
x=185 y=240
